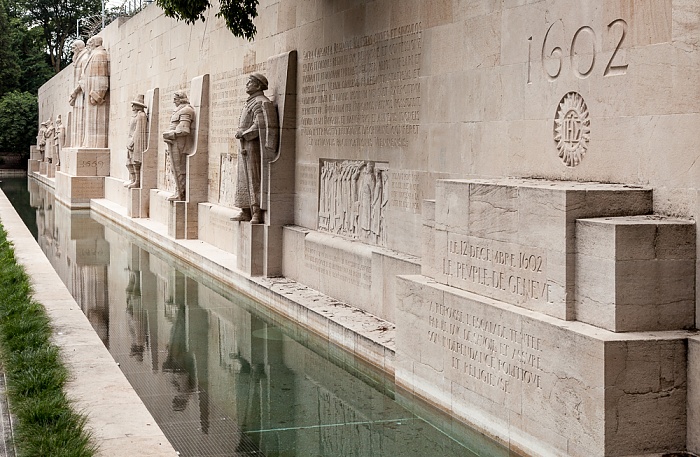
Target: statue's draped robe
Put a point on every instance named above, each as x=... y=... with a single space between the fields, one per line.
x=248 y=183
x=138 y=137
x=96 y=87
x=77 y=120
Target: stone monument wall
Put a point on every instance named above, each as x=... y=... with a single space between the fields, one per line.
x=410 y=115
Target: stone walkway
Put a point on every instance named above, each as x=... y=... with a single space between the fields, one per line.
x=6 y=447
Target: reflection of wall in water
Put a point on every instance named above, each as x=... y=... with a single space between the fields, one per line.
x=76 y=248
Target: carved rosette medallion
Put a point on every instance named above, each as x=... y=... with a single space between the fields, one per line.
x=572 y=129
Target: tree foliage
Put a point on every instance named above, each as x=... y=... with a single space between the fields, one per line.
x=9 y=61
x=238 y=14
x=19 y=119
x=57 y=20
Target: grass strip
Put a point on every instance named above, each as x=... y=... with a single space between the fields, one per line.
x=46 y=423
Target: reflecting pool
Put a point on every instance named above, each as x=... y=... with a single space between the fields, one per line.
x=223 y=375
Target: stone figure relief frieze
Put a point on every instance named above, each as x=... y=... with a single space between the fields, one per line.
x=353 y=198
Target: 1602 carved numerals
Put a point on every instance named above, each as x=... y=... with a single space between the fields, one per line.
x=584 y=36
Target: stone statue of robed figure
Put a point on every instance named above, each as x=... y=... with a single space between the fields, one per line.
x=259 y=115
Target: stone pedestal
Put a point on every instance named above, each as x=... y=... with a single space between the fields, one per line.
x=85 y=162
x=250 y=248
x=43 y=168
x=76 y=191
x=32 y=166
x=81 y=176
x=513 y=240
x=635 y=273
x=486 y=332
x=549 y=386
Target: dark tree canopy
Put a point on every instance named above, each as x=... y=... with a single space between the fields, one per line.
x=238 y=14
x=57 y=20
x=18 y=121
x=24 y=67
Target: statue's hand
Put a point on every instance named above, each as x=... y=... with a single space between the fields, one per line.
x=239 y=134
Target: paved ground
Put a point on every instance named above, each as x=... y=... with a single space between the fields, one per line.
x=6 y=447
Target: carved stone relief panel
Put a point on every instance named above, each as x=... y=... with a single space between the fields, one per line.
x=227 y=183
x=353 y=198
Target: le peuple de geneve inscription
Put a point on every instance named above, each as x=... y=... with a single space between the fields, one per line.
x=499 y=270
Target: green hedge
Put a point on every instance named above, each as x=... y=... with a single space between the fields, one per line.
x=46 y=424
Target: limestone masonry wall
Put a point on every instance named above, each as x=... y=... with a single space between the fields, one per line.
x=453 y=167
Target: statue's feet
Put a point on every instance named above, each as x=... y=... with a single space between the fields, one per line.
x=128 y=184
x=243 y=216
x=133 y=185
x=175 y=198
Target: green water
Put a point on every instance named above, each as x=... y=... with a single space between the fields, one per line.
x=224 y=375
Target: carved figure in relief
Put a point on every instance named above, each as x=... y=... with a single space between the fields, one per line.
x=58 y=140
x=41 y=140
x=257 y=132
x=50 y=135
x=383 y=208
x=77 y=97
x=95 y=86
x=176 y=139
x=366 y=189
x=353 y=200
x=138 y=141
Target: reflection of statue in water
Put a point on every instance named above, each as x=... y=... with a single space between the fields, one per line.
x=77 y=98
x=137 y=325
x=41 y=140
x=95 y=85
x=138 y=141
x=257 y=132
x=180 y=362
x=176 y=139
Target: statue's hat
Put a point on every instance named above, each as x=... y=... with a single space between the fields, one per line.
x=139 y=101
x=261 y=78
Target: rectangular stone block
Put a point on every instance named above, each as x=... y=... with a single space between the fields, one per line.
x=159 y=206
x=216 y=226
x=177 y=213
x=116 y=192
x=694 y=394
x=249 y=248
x=32 y=166
x=546 y=386
x=513 y=239
x=635 y=273
x=76 y=191
x=85 y=162
x=34 y=153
